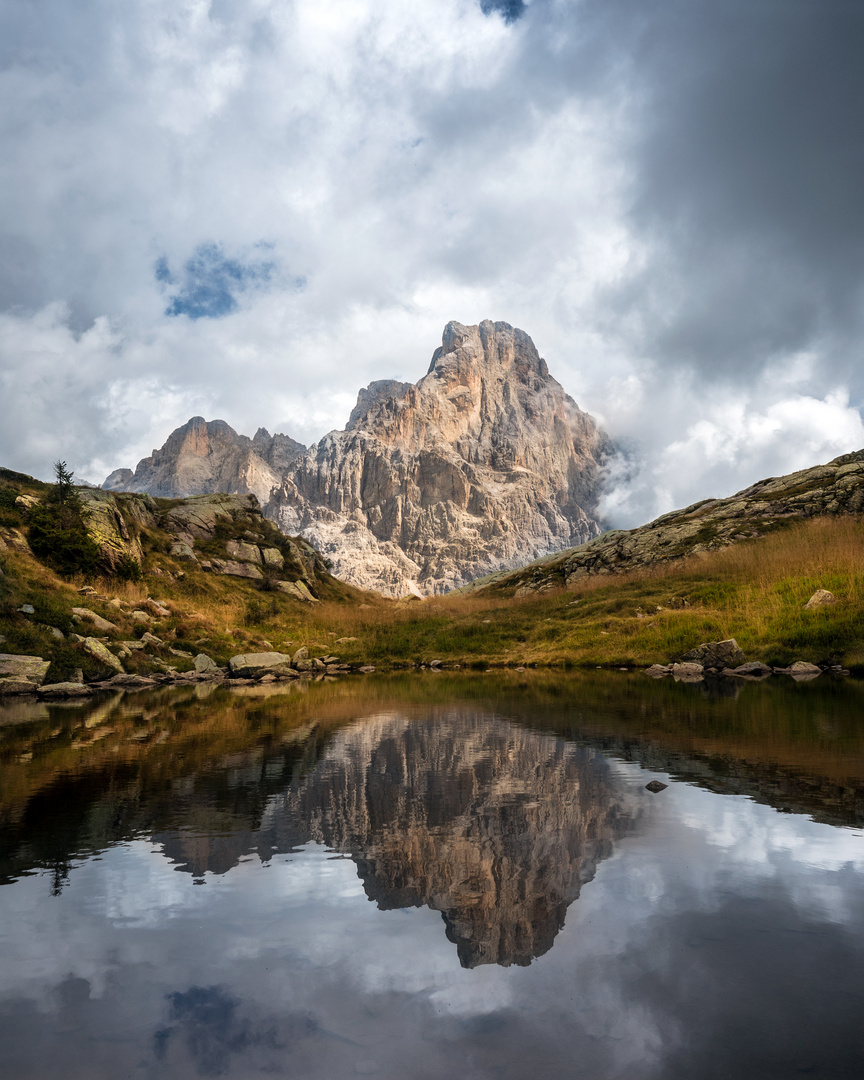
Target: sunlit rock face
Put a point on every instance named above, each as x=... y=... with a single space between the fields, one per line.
x=482 y=465
x=203 y=458
x=485 y=463
x=496 y=827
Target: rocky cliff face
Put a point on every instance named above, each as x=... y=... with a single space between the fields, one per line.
x=204 y=458
x=482 y=465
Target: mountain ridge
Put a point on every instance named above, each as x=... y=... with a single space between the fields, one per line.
x=482 y=465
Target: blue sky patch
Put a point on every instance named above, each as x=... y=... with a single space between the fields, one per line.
x=509 y=10
x=208 y=285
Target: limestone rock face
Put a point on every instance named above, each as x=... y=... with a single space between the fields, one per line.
x=203 y=458
x=482 y=465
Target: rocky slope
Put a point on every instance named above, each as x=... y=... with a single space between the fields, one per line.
x=835 y=488
x=483 y=464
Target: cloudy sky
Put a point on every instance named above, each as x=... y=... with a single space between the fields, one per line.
x=248 y=209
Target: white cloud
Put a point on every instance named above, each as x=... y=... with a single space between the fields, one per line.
x=406 y=164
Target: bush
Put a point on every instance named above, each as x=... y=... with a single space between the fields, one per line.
x=128 y=568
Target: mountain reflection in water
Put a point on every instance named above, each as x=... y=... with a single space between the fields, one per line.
x=494 y=826
x=185 y=877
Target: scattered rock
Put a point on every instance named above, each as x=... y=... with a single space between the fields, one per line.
x=801 y=671
x=657 y=671
x=181 y=550
x=151 y=639
x=344 y=640
x=655 y=786
x=129 y=682
x=204 y=663
x=820 y=598
x=688 y=672
x=64 y=690
x=21 y=674
x=301 y=654
x=27 y=609
x=98 y=622
x=141 y=617
x=716 y=654
x=367 y=669
x=56 y=633
x=755 y=669
x=251 y=665
x=13 y=540
x=102 y=654
x=236 y=569
x=240 y=550
x=159 y=610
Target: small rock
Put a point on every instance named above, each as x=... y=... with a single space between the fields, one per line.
x=655 y=786
x=204 y=663
x=251 y=665
x=802 y=671
x=64 y=690
x=57 y=633
x=159 y=610
x=141 y=617
x=755 y=669
x=15 y=669
x=27 y=609
x=344 y=640
x=657 y=671
x=98 y=622
x=367 y=669
x=820 y=598
x=151 y=639
x=268 y=678
x=688 y=672
x=301 y=654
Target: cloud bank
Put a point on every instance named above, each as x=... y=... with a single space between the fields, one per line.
x=251 y=209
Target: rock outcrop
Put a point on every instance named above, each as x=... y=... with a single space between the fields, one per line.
x=482 y=465
x=204 y=458
x=835 y=488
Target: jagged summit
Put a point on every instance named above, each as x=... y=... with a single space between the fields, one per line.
x=484 y=464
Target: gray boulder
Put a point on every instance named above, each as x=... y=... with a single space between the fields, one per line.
x=688 y=672
x=103 y=655
x=716 y=654
x=64 y=690
x=21 y=674
x=252 y=665
x=97 y=621
x=820 y=598
x=205 y=663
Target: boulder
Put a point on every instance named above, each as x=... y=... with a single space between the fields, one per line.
x=755 y=669
x=141 y=617
x=716 y=654
x=273 y=558
x=151 y=639
x=657 y=671
x=239 y=549
x=688 y=672
x=98 y=651
x=98 y=622
x=27 y=502
x=159 y=610
x=253 y=665
x=129 y=682
x=204 y=663
x=13 y=540
x=21 y=674
x=820 y=598
x=64 y=690
x=181 y=550
x=301 y=654
x=236 y=569
x=802 y=671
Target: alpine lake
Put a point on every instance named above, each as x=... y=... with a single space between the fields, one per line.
x=435 y=875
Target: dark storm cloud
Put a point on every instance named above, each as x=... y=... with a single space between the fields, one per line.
x=748 y=164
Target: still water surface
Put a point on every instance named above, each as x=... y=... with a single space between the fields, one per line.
x=435 y=877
